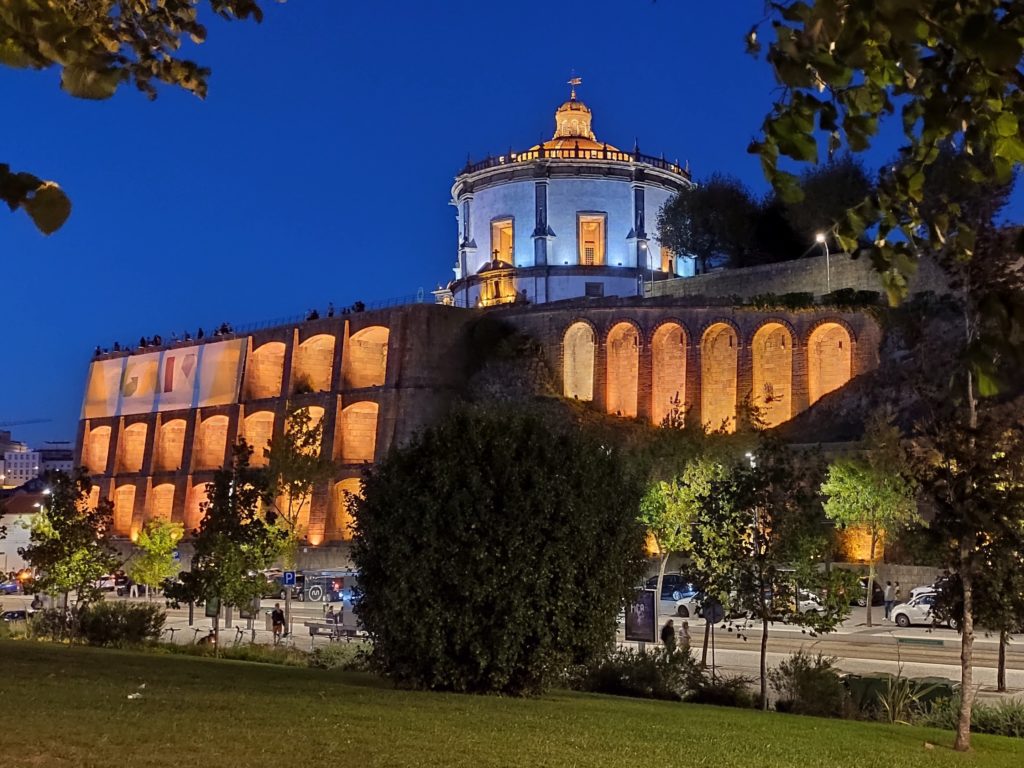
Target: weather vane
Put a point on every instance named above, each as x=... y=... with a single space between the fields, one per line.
x=573 y=82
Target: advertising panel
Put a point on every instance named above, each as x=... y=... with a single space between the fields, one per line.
x=220 y=372
x=178 y=379
x=641 y=619
x=103 y=389
x=139 y=383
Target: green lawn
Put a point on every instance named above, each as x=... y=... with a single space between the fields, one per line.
x=70 y=707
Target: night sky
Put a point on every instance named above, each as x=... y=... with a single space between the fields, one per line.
x=319 y=167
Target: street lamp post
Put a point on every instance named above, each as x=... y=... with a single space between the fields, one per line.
x=823 y=241
x=650 y=265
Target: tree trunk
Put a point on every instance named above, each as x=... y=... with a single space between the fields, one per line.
x=704 y=653
x=1001 y=672
x=764 y=658
x=871 y=573
x=963 y=726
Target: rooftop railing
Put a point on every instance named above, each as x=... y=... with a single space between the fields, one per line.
x=577 y=153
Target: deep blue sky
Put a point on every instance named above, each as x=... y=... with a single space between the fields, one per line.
x=320 y=165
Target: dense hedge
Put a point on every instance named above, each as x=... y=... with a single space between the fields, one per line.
x=495 y=551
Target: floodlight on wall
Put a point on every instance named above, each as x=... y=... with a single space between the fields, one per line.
x=823 y=241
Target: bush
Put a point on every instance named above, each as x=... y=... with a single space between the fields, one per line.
x=257 y=654
x=652 y=674
x=1003 y=719
x=338 y=656
x=724 y=692
x=54 y=624
x=120 y=624
x=495 y=551
x=808 y=685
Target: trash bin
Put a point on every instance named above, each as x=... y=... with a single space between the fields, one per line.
x=270 y=621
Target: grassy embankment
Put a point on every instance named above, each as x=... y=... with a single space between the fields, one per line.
x=70 y=707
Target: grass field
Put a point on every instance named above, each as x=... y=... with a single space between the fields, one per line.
x=70 y=707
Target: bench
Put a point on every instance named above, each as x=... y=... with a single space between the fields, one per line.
x=332 y=631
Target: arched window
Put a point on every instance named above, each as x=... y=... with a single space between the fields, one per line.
x=668 y=359
x=623 y=369
x=773 y=373
x=829 y=360
x=718 y=359
x=578 y=362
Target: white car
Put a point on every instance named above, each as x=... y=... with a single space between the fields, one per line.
x=810 y=602
x=684 y=606
x=918 y=610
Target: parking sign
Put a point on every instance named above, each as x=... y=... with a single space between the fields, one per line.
x=288 y=578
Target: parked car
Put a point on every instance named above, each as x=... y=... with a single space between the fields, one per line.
x=107 y=583
x=11 y=587
x=919 y=610
x=877 y=595
x=674 y=586
x=684 y=606
x=21 y=615
x=810 y=602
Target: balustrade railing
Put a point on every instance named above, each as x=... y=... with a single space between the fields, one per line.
x=576 y=153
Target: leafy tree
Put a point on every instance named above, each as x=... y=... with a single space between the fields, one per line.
x=494 y=550
x=758 y=541
x=296 y=465
x=948 y=72
x=872 y=491
x=713 y=221
x=829 y=191
x=69 y=544
x=235 y=539
x=154 y=563
x=98 y=46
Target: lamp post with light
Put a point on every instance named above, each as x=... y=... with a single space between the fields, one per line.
x=823 y=241
x=649 y=265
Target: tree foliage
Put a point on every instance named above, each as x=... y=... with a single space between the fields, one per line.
x=235 y=540
x=493 y=551
x=98 y=46
x=873 y=491
x=949 y=73
x=154 y=562
x=69 y=544
x=295 y=466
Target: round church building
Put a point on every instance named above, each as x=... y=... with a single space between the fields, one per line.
x=568 y=218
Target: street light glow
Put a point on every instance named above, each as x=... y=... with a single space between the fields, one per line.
x=820 y=237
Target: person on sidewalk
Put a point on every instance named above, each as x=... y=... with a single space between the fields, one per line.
x=684 y=637
x=668 y=637
x=277 y=622
x=890 y=598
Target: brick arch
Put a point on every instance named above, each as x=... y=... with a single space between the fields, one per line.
x=97 y=449
x=194 y=500
x=366 y=360
x=124 y=508
x=622 y=346
x=829 y=358
x=211 y=442
x=265 y=371
x=719 y=368
x=343 y=517
x=669 y=343
x=132 y=449
x=579 y=352
x=358 y=431
x=161 y=502
x=772 y=361
x=170 y=445
x=258 y=430
x=831 y=320
x=314 y=361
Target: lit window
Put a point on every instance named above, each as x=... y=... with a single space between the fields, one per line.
x=668 y=261
x=502 y=240
x=591 y=239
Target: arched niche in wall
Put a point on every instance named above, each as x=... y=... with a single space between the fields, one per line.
x=194 y=500
x=258 y=429
x=161 y=502
x=314 y=361
x=170 y=446
x=124 y=509
x=623 y=369
x=668 y=360
x=211 y=443
x=264 y=371
x=97 y=449
x=132 y=449
x=773 y=373
x=578 y=346
x=366 y=362
x=719 y=355
x=829 y=360
x=358 y=432
x=343 y=493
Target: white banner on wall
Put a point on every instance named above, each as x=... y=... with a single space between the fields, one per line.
x=173 y=379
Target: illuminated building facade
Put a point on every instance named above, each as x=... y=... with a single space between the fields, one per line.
x=568 y=218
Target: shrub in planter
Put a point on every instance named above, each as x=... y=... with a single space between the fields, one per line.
x=120 y=624
x=808 y=685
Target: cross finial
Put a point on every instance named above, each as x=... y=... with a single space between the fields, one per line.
x=573 y=82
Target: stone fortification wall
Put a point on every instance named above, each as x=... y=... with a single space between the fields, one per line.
x=814 y=275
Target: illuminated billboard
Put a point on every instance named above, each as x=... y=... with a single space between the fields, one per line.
x=173 y=379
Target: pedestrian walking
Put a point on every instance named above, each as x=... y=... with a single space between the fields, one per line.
x=133 y=588
x=890 y=598
x=684 y=637
x=277 y=622
x=668 y=637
